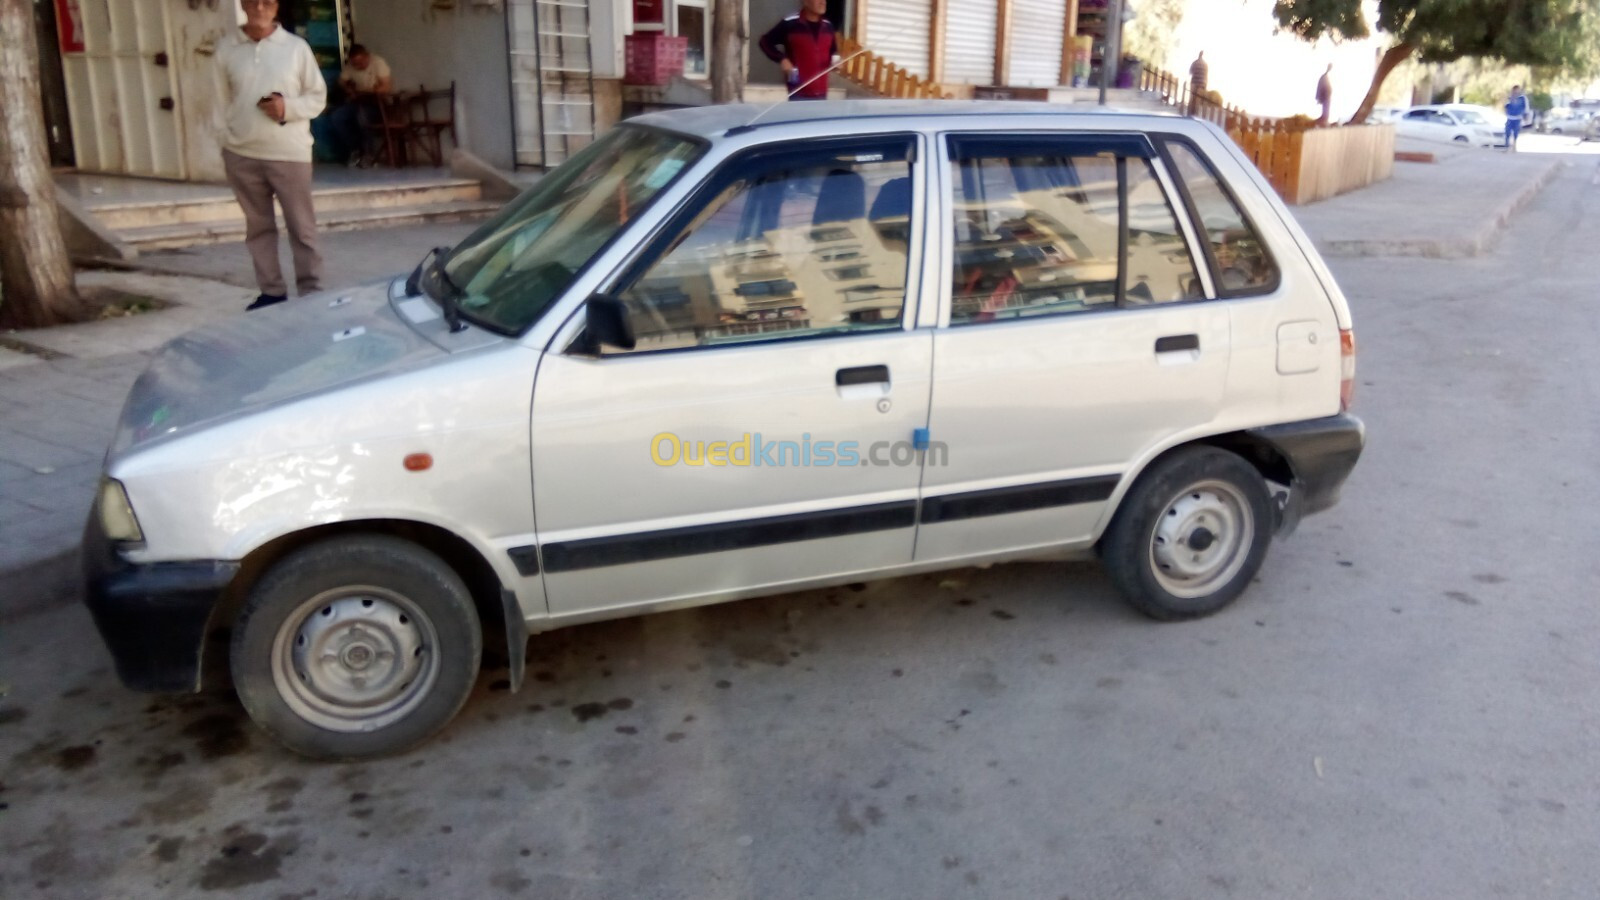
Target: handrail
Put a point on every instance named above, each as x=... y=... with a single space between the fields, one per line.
x=884 y=78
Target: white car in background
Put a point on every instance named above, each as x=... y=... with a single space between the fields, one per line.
x=1454 y=122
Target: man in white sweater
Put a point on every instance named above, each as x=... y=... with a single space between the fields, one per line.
x=271 y=90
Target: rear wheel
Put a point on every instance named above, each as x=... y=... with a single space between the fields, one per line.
x=1190 y=534
x=356 y=647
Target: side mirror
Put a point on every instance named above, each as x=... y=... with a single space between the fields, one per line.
x=606 y=323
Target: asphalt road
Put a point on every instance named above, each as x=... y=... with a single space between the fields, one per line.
x=1405 y=705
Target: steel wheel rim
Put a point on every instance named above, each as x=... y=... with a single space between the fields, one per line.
x=1201 y=540
x=355 y=659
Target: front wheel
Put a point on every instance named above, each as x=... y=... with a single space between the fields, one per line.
x=356 y=647
x=1190 y=534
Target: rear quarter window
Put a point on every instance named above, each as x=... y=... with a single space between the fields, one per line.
x=1240 y=263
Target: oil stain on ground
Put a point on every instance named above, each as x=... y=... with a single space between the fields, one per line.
x=217 y=735
x=247 y=859
x=71 y=759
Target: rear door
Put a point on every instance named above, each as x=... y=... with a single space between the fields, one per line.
x=1076 y=336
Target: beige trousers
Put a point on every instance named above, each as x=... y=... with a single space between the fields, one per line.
x=255 y=183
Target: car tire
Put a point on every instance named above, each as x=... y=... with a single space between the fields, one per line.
x=356 y=647
x=1153 y=550
x=1462 y=139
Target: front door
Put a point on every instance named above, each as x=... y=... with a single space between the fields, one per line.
x=120 y=85
x=760 y=432
x=1077 y=338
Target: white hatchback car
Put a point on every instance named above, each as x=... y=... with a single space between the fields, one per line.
x=713 y=358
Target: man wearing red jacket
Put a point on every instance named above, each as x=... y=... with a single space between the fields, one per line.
x=803 y=44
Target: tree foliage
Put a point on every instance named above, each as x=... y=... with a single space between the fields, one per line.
x=1152 y=32
x=1562 y=35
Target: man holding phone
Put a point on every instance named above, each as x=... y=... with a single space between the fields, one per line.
x=271 y=89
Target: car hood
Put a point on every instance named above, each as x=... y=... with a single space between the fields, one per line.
x=268 y=357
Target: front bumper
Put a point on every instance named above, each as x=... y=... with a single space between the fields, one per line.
x=1321 y=453
x=152 y=617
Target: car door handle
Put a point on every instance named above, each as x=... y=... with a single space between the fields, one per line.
x=1174 y=342
x=861 y=375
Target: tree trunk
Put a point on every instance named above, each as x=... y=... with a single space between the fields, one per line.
x=1392 y=57
x=728 y=39
x=36 y=287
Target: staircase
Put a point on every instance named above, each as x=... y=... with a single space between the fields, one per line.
x=192 y=221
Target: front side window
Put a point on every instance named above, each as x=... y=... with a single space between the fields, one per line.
x=1039 y=232
x=519 y=262
x=801 y=245
x=1240 y=259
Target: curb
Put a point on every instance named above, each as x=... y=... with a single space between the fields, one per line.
x=1477 y=243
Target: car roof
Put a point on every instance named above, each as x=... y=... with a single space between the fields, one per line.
x=715 y=121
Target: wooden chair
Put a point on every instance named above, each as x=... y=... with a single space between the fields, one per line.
x=434 y=114
x=391 y=129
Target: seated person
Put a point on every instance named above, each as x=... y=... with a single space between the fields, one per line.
x=365 y=78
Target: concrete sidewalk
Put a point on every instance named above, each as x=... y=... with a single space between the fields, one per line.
x=59 y=404
x=1453 y=208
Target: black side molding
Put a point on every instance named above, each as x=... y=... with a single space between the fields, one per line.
x=526 y=559
x=647 y=546
x=1020 y=498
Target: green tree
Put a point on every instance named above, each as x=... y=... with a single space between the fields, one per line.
x=1558 y=34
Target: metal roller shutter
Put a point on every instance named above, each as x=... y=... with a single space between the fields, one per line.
x=1037 y=27
x=969 y=41
x=897 y=30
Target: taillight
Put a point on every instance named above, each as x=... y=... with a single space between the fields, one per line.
x=1347 y=368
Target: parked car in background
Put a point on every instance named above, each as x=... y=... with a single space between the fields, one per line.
x=726 y=353
x=1453 y=122
x=1384 y=114
x=1564 y=120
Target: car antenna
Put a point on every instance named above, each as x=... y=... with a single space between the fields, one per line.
x=750 y=125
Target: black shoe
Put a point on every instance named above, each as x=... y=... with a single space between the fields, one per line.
x=266 y=300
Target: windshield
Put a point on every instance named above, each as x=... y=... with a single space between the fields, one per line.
x=1471 y=117
x=512 y=268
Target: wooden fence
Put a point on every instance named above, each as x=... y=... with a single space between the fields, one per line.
x=884 y=78
x=1336 y=160
x=1303 y=161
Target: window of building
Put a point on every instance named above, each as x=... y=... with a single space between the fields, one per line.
x=692 y=20
x=746 y=265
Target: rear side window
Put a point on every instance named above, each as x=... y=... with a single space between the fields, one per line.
x=1240 y=262
x=1074 y=227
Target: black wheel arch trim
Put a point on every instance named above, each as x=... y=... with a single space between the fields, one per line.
x=1321 y=454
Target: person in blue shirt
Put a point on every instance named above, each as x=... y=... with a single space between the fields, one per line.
x=1516 y=109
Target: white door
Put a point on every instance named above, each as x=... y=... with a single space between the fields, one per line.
x=750 y=437
x=121 y=91
x=1059 y=366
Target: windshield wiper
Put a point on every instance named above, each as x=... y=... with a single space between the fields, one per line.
x=431 y=269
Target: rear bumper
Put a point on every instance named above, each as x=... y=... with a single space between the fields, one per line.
x=152 y=617
x=1321 y=453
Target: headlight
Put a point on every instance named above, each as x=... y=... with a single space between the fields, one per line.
x=116 y=513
